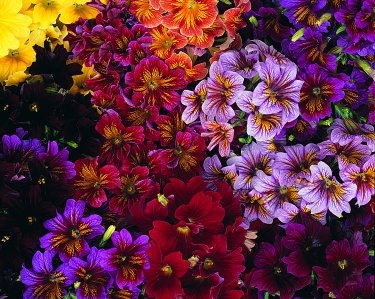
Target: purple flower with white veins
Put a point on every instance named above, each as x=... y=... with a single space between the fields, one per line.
x=223 y=87
x=324 y=192
x=94 y=280
x=239 y=62
x=266 y=52
x=70 y=231
x=279 y=89
x=128 y=259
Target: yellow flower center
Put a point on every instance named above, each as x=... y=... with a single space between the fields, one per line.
x=31 y=220
x=34 y=107
x=5 y=239
x=183 y=230
x=316 y=91
x=283 y=190
x=152 y=85
x=76 y=233
x=6 y=107
x=208 y=264
x=41 y=180
x=87 y=277
x=191 y=4
x=167 y=270
x=342 y=264
x=278 y=270
x=14 y=53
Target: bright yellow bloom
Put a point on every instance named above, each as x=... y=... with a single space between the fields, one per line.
x=52 y=33
x=74 y=9
x=16 y=78
x=13 y=25
x=17 y=60
x=79 y=85
x=45 y=12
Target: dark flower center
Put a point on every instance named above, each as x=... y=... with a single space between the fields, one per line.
x=41 y=180
x=122 y=259
x=31 y=220
x=342 y=264
x=34 y=107
x=87 y=277
x=316 y=91
x=283 y=190
x=277 y=270
x=130 y=189
x=76 y=233
x=167 y=270
x=208 y=264
x=178 y=151
x=56 y=277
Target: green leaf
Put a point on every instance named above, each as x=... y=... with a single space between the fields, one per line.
x=340 y=29
x=226 y=2
x=246 y=140
x=371 y=252
x=296 y=36
x=253 y=20
x=72 y=144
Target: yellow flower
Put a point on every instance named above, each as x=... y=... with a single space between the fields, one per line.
x=17 y=60
x=13 y=25
x=45 y=12
x=52 y=33
x=79 y=80
x=16 y=78
x=74 y=9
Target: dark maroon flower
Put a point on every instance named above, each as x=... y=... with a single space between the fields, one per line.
x=345 y=264
x=271 y=273
x=92 y=277
x=198 y=285
x=43 y=281
x=270 y=25
x=362 y=288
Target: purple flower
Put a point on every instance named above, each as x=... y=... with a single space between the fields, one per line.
x=307 y=243
x=271 y=273
x=193 y=101
x=345 y=263
x=363 y=177
x=324 y=191
x=363 y=288
x=270 y=26
x=223 y=87
x=279 y=90
x=43 y=281
x=128 y=259
x=318 y=92
x=276 y=188
x=93 y=279
x=239 y=62
x=214 y=171
x=255 y=207
x=266 y=52
x=354 y=152
x=69 y=232
x=309 y=49
x=296 y=161
x=251 y=160
x=287 y=213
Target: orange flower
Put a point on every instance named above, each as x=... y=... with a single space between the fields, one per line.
x=233 y=20
x=189 y=16
x=145 y=12
x=165 y=41
x=206 y=40
x=183 y=61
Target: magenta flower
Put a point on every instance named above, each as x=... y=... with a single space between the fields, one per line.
x=324 y=191
x=193 y=101
x=363 y=177
x=128 y=259
x=345 y=263
x=70 y=231
x=93 y=279
x=223 y=87
x=43 y=281
x=279 y=90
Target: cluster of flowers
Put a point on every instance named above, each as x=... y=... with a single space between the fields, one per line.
x=221 y=150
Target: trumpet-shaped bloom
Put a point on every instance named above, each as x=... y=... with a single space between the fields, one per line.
x=214 y=171
x=206 y=40
x=70 y=231
x=14 y=26
x=223 y=87
x=255 y=207
x=190 y=17
x=193 y=101
x=43 y=281
x=155 y=83
x=147 y=14
x=128 y=259
x=91 y=181
x=46 y=12
x=75 y=9
x=239 y=62
x=279 y=90
x=363 y=177
x=220 y=134
x=324 y=192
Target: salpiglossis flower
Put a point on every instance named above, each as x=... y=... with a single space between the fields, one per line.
x=147 y=14
x=220 y=134
x=75 y=9
x=70 y=232
x=193 y=101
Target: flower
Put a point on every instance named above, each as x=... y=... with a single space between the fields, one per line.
x=345 y=262
x=147 y=15
x=43 y=281
x=239 y=62
x=193 y=101
x=14 y=26
x=93 y=279
x=127 y=260
x=223 y=87
x=325 y=192
x=162 y=280
x=271 y=273
x=318 y=92
x=46 y=12
x=279 y=90
x=153 y=81
x=214 y=171
x=70 y=231
x=221 y=134
x=91 y=181
x=190 y=17
x=255 y=207
x=363 y=176
x=75 y=9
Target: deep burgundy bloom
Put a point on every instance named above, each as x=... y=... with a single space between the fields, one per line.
x=270 y=25
x=93 y=279
x=363 y=288
x=43 y=281
x=271 y=273
x=345 y=264
x=198 y=285
x=162 y=280
x=318 y=92
x=309 y=49
x=70 y=231
x=128 y=259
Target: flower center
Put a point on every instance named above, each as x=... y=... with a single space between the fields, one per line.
x=6 y=107
x=191 y=4
x=31 y=220
x=97 y=185
x=208 y=264
x=117 y=140
x=283 y=190
x=56 y=277
x=76 y=234
x=87 y=277
x=130 y=189
x=178 y=151
x=14 y=53
x=342 y=264
x=5 y=239
x=277 y=270
x=316 y=91
x=183 y=229
x=167 y=270
x=42 y=180
x=152 y=85
x=122 y=259
x=34 y=107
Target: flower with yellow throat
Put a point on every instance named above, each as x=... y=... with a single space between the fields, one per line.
x=45 y=12
x=13 y=25
x=74 y=9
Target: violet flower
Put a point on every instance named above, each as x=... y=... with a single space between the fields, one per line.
x=239 y=62
x=70 y=231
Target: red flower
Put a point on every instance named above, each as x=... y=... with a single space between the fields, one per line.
x=148 y=15
x=117 y=138
x=162 y=280
x=206 y=40
x=169 y=126
x=90 y=182
x=153 y=81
